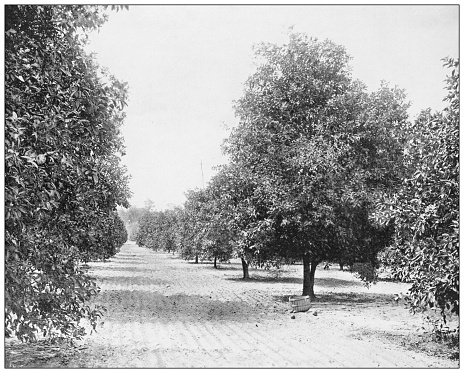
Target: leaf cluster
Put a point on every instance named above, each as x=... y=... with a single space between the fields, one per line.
x=318 y=149
x=63 y=178
x=426 y=206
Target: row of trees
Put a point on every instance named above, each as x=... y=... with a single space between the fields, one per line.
x=63 y=177
x=131 y=217
x=425 y=206
x=322 y=170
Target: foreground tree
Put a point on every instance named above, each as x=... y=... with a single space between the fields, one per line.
x=426 y=208
x=316 y=147
x=63 y=178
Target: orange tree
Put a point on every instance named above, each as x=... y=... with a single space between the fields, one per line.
x=203 y=234
x=318 y=150
x=241 y=213
x=187 y=242
x=219 y=238
x=157 y=230
x=425 y=209
x=63 y=178
x=196 y=230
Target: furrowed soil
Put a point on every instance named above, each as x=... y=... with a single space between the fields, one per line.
x=164 y=312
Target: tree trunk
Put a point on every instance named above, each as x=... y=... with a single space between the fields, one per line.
x=341 y=266
x=309 y=269
x=246 y=275
x=196 y=259
x=215 y=262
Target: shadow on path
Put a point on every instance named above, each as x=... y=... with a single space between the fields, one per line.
x=277 y=280
x=130 y=280
x=319 y=282
x=134 y=269
x=144 y=305
x=344 y=299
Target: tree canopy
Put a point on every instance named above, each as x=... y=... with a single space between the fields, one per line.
x=63 y=177
x=425 y=209
x=317 y=147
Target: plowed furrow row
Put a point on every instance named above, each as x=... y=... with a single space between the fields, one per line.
x=164 y=312
x=202 y=343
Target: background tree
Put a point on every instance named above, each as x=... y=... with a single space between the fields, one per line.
x=186 y=243
x=241 y=214
x=426 y=208
x=219 y=235
x=131 y=217
x=193 y=230
x=63 y=178
x=205 y=235
x=168 y=230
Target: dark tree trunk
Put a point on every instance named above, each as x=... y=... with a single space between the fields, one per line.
x=196 y=259
x=309 y=269
x=215 y=262
x=246 y=275
x=341 y=266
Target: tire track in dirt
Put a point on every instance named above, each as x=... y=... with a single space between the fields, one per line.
x=165 y=312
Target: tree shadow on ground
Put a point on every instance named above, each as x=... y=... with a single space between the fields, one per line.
x=353 y=298
x=129 y=260
x=145 y=305
x=329 y=282
x=120 y=255
x=115 y=263
x=125 y=269
x=343 y=299
x=130 y=280
x=219 y=264
x=320 y=282
x=268 y=279
x=131 y=271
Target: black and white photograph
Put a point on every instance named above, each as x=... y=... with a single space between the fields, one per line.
x=237 y=185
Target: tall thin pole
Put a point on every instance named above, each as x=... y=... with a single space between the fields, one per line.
x=202 y=178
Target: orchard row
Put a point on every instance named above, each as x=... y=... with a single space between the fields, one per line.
x=63 y=177
x=322 y=170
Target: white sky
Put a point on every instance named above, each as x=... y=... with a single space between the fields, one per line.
x=186 y=64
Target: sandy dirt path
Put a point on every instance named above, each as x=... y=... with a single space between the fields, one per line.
x=165 y=312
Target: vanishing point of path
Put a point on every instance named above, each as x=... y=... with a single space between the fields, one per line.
x=165 y=312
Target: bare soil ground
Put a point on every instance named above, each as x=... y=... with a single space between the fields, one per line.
x=164 y=312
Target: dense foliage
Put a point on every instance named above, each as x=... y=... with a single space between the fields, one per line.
x=195 y=231
x=157 y=230
x=63 y=178
x=321 y=170
x=318 y=150
x=312 y=153
x=426 y=207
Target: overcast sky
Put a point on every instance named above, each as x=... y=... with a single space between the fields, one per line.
x=185 y=66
